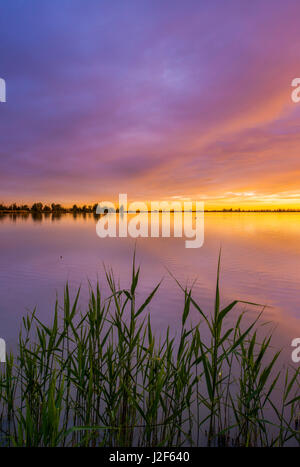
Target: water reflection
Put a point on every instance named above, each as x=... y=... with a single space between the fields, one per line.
x=260 y=263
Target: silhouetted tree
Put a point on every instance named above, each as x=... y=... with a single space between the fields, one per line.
x=37 y=207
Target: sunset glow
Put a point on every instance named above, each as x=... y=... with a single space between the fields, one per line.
x=160 y=100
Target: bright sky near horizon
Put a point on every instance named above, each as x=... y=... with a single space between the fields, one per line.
x=159 y=100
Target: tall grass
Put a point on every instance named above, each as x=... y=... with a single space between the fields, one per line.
x=103 y=378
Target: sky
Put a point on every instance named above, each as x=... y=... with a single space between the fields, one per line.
x=161 y=100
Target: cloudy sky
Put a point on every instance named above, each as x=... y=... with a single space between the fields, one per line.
x=156 y=99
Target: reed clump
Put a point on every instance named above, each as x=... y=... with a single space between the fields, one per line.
x=103 y=378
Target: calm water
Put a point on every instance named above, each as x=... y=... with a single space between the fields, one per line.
x=260 y=263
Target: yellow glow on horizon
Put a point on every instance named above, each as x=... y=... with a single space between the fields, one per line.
x=228 y=200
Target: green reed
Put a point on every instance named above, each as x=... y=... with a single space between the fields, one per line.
x=102 y=377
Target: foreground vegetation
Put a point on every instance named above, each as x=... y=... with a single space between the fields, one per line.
x=100 y=377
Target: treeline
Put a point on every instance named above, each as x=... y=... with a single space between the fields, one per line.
x=45 y=208
x=58 y=208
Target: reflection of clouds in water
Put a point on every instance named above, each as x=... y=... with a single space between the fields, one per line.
x=260 y=263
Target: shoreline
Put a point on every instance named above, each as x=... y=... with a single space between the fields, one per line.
x=226 y=211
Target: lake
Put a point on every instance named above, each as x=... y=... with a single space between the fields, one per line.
x=260 y=263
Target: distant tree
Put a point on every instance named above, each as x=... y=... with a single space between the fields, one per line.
x=56 y=207
x=37 y=207
x=47 y=209
x=13 y=207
